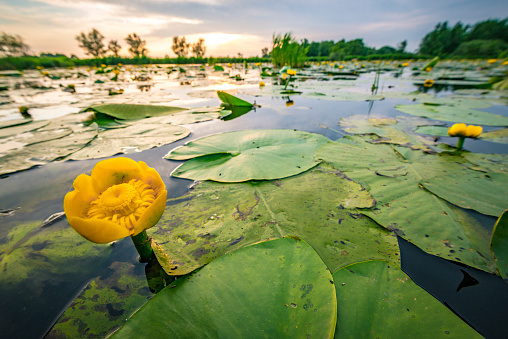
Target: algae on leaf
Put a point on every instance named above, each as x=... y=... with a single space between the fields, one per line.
x=454 y=114
x=403 y=206
x=318 y=206
x=278 y=288
x=248 y=155
x=376 y=299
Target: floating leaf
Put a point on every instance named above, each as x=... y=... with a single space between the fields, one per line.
x=485 y=193
x=454 y=114
x=132 y=111
x=216 y=218
x=134 y=138
x=402 y=205
x=22 y=128
x=390 y=130
x=11 y=123
x=278 y=288
x=375 y=299
x=457 y=101
x=499 y=136
x=499 y=244
x=343 y=96
x=440 y=131
x=229 y=99
x=247 y=155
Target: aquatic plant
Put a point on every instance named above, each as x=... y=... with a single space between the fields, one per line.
x=464 y=131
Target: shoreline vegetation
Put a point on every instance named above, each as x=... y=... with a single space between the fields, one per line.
x=484 y=40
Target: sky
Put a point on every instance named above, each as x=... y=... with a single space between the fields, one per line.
x=230 y=27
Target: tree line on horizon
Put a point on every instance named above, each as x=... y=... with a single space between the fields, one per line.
x=484 y=39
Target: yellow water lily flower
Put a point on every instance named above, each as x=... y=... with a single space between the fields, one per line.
x=492 y=61
x=261 y=84
x=103 y=65
x=462 y=130
x=505 y=63
x=341 y=66
x=428 y=83
x=120 y=198
x=405 y=64
x=289 y=103
x=284 y=76
x=428 y=69
x=291 y=72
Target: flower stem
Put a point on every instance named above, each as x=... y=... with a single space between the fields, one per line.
x=143 y=246
x=287 y=82
x=460 y=143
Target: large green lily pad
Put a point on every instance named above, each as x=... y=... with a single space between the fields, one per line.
x=390 y=130
x=499 y=136
x=393 y=175
x=216 y=218
x=454 y=114
x=133 y=111
x=499 y=244
x=247 y=155
x=232 y=100
x=278 y=288
x=485 y=193
x=375 y=299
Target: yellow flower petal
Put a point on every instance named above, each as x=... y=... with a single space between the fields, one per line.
x=152 y=214
x=473 y=131
x=114 y=171
x=99 y=231
x=457 y=130
x=291 y=72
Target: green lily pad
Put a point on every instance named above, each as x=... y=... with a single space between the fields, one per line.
x=132 y=111
x=229 y=99
x=278 y=288
x=22 y=128
x=390 y=130
x=11 y=123
x=481 y=192
x=454 y=114
x=248 y=155
x=375 y=299
x=499 y=136
x=318 y=206
x=457 y=101
x=440 y=131
x=134 y=138
x=402 y=205
x=104 y=304
x=343 y=96
x=499 y=244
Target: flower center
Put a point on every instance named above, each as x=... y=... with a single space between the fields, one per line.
x=122 y=204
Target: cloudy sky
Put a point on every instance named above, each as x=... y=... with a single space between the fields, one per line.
x=230 y=27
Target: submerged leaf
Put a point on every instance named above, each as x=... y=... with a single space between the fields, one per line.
x=278 y=288
x=248 y=155
x=377 y=299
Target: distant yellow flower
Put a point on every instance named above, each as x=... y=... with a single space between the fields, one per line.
x=492 y=61
x=103 y=65
x=261 y=84
x=289 y=103
x=120 y=64
x=341 y=66
x=405 y=64
x=116 y=71
x=258 y=64
x=317 y=64
x=428 y=69
x=39 y=67
x=428 y=83
x=122 y=197
x=284 y=76
x=291 y=72
x=462 y=130
x=505 y=63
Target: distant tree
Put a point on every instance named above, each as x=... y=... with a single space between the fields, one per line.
x=180 y=46
x=199 y=48
x=92 y=43
x=481 y=49
x=137 y=45
x=443 y=40
x=114 y=47
x=265 y=52
x=386 y=50
x=12 y=45
x=491 y=29
x=401 y=47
